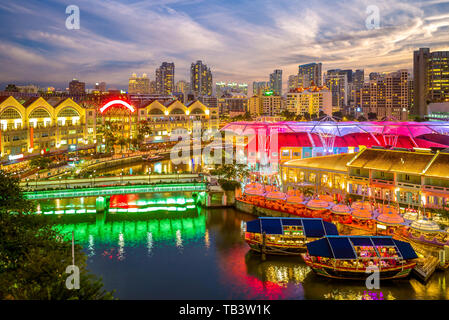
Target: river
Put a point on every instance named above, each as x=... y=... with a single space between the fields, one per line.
x=161 y=246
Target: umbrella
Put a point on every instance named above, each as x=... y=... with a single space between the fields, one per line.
x=316 y=204
x=275 y=195
x=425 y=225
x=295 y=200
x=362 y=214
x=341 y=209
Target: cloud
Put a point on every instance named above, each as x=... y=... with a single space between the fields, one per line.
x=240 y=42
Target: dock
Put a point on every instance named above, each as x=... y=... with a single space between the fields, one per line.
x=425 y=268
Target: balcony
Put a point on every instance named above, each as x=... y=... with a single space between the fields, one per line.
x=381 y=182
x=436 y=189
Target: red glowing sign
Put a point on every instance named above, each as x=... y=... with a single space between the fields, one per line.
x=113 y=102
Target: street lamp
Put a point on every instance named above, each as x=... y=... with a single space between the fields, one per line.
x=94 y=176
x=91 y=184
x=149 y=173
x=60 y=177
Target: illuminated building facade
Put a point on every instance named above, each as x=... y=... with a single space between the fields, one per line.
x=310 y=75
x=139 y=85
x=276 y=82
x=430 y=78
x=410 y=178
x=387 y=96
x=337 y=82
x=260 y=87
x=165 y=79
x=37 y=126
x=309 y=101
x=77 y=87
x=200 y=79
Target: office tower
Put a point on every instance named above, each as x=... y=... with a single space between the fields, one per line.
x=387 y=96
x=153 y=87
x=200 y=79
x=310 y=75
x=260 y=87
x=276 y=82
x=292 y=82
x=77 y=87
x=165 y=77
x=139 y=85
x=337 y=82
x=310 y=101
x=430 y=78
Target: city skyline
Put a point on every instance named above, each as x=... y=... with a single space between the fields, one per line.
x=115 y=41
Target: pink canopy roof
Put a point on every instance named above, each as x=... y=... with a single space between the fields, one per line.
x=349 y=133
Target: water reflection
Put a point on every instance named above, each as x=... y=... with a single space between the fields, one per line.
x=201 y=253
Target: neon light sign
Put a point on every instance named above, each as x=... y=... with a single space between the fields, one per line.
x=113 y=102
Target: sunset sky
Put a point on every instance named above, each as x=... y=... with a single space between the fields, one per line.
x=241 y=41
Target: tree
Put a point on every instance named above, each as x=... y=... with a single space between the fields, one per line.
x=34 y=255
x=11 y=195
x=41 y=162
x=11 y=88
x=361 y=118
x=289 y=116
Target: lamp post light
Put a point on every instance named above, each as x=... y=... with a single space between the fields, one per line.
x=94 y=176
x=60 y=177
x=149 y=175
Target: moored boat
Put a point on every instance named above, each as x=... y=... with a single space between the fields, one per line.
x=285 y=236
x=347 y=257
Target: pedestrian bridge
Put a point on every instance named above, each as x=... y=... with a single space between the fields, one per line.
x=105 y=191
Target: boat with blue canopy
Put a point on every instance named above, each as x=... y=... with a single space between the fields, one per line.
x=285 y=236
x=348 y=257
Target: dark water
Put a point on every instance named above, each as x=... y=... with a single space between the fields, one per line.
x=192 y=253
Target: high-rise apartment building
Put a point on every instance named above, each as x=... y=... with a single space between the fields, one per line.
x=77 y=87
x=292 y=82
x=165 y=78
x=200 y=79
x=139 y=85
x=276 y=82
x=310 y=75
x=337 y=82
x=430 y=78
x=271 y=104
x=260 y=87
x=387 y=96
x=310 y=101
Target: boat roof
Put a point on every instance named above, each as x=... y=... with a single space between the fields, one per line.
x=342 y=247
x=313 y=227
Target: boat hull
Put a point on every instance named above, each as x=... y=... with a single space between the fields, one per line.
x=275 y=249
x=340 y=273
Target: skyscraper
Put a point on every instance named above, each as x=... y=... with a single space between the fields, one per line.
x=430 y=78
x=139 y=85
x=310 y=74
x=200 y=79
x=100 y=86
x=165 y=78
x=276 y=82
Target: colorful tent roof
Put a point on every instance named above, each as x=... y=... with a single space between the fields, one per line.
x=275 y=195
x=295 y=199
x=341 y=209
x=425 y=225
x=326 y=197
x=342 y=247
x=254 y=191
x=410 y=215
x=390 y=219
x=360 y=205
x=312 y=227
x=362 y=214
x=317 y=204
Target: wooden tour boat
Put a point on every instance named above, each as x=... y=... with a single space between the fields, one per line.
x=347 y=257
x=285 y=236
